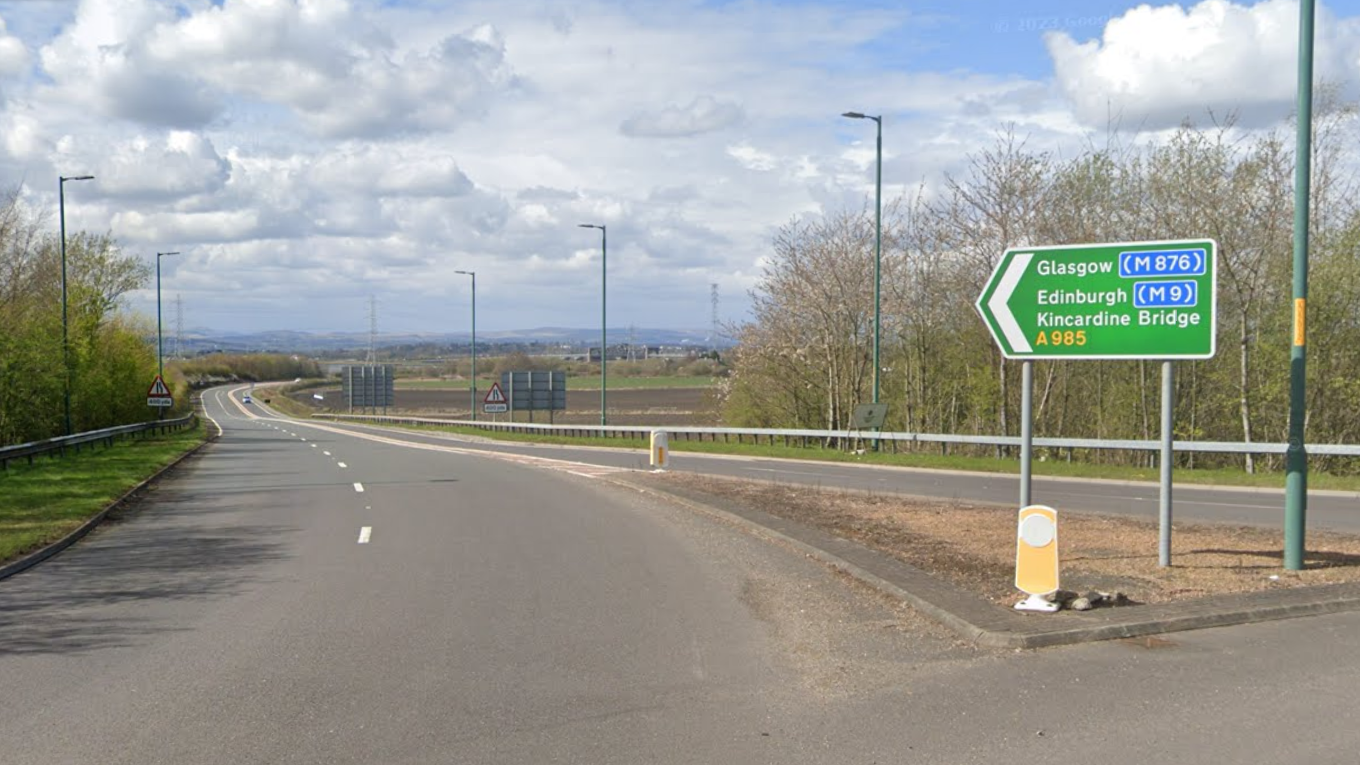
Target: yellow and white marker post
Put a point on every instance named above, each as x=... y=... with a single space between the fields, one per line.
x=661 y=458
x=1036 y=558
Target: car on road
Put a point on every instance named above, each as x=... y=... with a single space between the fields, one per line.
x=246 y=399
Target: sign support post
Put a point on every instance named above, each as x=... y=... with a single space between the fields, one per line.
x=1164 y=496
x=1026 y=429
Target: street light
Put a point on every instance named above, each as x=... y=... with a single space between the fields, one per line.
x=65 y=342
x=473 y=390
x=878 y=232
x=604 y=341
x=160 y=357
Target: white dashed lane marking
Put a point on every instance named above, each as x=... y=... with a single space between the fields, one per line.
x=359 y=488
x=364 y=534
x=341 y=464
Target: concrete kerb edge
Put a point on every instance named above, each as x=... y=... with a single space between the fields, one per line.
x=1038 y=637
x=1156 y=626
x=43 y=553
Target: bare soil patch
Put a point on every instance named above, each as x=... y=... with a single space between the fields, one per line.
x=973 y=546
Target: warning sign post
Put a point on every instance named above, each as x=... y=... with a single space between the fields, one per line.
x=158 y=394
x=495 y=401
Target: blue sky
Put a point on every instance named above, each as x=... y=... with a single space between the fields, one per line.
x=306 y=155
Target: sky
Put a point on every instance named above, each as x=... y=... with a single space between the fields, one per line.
x=305 y=156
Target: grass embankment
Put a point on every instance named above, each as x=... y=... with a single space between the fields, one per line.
x=42 y=502
x=1047 y=468
x=279 y=400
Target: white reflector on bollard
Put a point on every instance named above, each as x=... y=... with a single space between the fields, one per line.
x=660 y=450
x=1036 y=557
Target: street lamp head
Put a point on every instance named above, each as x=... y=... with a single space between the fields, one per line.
x=466 y=273
x=164 y=254
x=590 y=225
x=65 y=178
x=854 y=115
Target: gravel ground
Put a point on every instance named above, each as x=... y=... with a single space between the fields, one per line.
x=974 y=546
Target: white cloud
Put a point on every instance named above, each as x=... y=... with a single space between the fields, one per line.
x=102 y=62
x=177 y=165
x=340 y=73
x=752 y=158
x=13 y=53
x=220 y=226
x=1155 y=66
x=389 y=170
x=703 y=115
x=25 y=137
x=329 y=64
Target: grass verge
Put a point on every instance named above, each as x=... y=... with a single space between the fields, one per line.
x=279 y=400
x=42 y=502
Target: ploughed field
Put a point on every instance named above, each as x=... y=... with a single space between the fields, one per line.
x=627 y=406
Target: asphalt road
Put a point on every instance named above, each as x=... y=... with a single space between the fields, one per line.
x=1264 y=507
x=298 y=594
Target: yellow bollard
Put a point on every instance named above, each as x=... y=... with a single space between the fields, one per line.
x=1036 y=557
x=660 y=450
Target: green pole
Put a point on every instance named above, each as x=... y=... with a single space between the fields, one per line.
x=474 y=345
x=604 y=324
x=160 y=356
x=878 y=235
x=878 y=251
x=1296 y=458
x=604 y=340
x=472 y=389
x=65 y=341
x=160 y=363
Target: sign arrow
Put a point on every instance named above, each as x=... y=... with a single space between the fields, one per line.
x=1000 y=303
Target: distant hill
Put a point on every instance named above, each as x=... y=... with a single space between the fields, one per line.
x=200 y=341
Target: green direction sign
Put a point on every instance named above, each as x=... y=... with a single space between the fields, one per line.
x=1138 y=300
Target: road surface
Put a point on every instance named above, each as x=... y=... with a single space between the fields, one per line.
x=1338 y=511
x=302 y=595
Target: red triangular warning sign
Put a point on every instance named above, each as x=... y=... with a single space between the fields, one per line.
x=158 y=389
x=494 y=396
